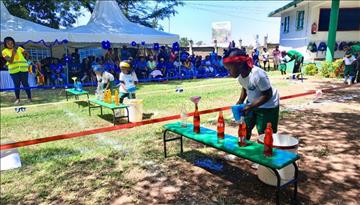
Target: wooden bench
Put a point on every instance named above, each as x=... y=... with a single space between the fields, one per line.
x=72 y=91
x=253 y=151
x=95 y=103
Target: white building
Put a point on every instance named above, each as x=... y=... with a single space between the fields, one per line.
x=299 y=20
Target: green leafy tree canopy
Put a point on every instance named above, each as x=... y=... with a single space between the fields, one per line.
x=199 y=43
x=56 y=13
x=184 y=42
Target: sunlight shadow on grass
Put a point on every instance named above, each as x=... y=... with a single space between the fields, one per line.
x=47 y=154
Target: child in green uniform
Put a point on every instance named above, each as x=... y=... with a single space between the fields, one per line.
x=282 y=61
x=262 y=98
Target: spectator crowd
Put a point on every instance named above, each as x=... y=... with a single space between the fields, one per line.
x=163 y=64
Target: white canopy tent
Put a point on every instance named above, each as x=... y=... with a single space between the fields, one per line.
x=23 y=30
x=107 y=22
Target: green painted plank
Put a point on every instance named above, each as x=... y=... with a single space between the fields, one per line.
x=107 y=105
x=75 y=92
x=253 y=152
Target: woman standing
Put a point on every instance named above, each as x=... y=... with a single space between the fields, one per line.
x=276 y=57
x=17 y=65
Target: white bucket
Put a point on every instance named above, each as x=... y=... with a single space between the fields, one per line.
x=283 y=142
x=135 y=110
x=10 y=159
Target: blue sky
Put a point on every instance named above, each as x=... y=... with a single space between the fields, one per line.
x=247 y=18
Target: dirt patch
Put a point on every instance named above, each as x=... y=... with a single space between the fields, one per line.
x=329 y=148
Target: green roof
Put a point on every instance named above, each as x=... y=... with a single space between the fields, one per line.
x=271 y=14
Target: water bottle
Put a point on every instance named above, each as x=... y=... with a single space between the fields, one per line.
x=183 y=116
x=221 y=126
x=268 y=140
x=196 y=119
x=242 y=132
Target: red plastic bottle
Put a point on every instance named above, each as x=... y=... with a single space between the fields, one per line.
x=242 y=133
x=221 y=126
x=268 y=140
x=196 y=119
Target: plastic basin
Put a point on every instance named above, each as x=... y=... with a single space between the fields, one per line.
x=283 y=142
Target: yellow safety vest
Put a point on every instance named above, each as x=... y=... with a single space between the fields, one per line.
x=19 y=64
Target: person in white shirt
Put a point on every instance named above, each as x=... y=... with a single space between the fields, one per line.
x=349 y=71
x=103 y=77
x=128 y=81
x=265 y=58
x=262 y=105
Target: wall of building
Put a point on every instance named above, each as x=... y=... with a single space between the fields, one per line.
x=321 y=36
x=300 y=39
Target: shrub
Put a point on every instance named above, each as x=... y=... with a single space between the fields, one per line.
x=311 y=69
x=325 y=69
x=339 y=67
x=332 y=70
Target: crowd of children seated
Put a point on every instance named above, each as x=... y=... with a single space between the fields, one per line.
x=165 y=64
x=177 y=64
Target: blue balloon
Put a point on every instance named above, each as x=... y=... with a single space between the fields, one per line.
x=156 y=46
x=143 y=43
x=133 y=43
x=67 y=59
x=65 y=41
x=176 y=46
x=105 y=44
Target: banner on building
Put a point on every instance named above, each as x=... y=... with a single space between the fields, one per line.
x=221 y=32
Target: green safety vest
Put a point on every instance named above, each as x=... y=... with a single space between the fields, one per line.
x=19 y=64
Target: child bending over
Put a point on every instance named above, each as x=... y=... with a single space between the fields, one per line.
x=349 y=72
x=104 y=78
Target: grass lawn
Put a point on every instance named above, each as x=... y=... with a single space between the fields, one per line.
x=103 y=168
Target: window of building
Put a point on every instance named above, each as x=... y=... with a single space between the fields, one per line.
x=348 y=20
x=37 y=54
x=286 y=24
x=85 y=52
x=300 y=20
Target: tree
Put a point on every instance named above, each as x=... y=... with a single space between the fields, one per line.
x=199 y=43
x=184 y=42
x=50 y=13
x=56 y=13
x=148 y=13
